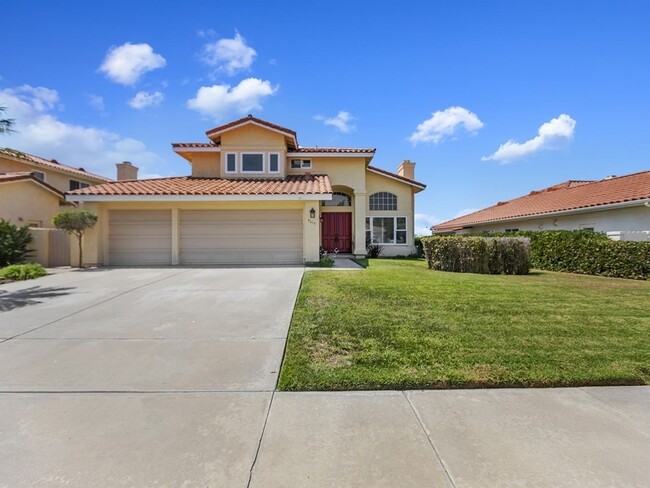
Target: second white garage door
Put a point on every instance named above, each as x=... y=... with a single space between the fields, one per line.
x=240 y=237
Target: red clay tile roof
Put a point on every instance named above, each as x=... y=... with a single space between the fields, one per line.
x=394 y=175
x=187 y=185
x=50 y=163
x=251 y=118
x=359 y=150
x=569 y=195
x=28 y=175
x=194 y=144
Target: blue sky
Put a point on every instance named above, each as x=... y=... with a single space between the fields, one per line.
x=445 y=84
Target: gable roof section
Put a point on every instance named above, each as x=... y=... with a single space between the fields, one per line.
x=335 y=150
x=28 y=176
x=249 y=119
x=567 y=196
x=187 y=186
x=49 y=164
x=383 y=172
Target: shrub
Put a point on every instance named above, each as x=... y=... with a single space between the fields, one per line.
x=21 y=272
x=13 y=243
x=485 y=255
x=588 y=252
x=419 y=249
x=374 y=250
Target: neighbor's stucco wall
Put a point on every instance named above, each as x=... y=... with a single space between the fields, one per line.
x=620 y=219
x=57 y=179
x=27 y=203
x=96 y=239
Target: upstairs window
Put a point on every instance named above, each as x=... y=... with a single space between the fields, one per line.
x=300 y=163
x=383 y=200
x=75 y=185
x=252 y=163
x=231 y=163
x=338 y=200
x=38 y=175
x=274 y=163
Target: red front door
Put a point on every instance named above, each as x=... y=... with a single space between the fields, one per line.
x=336 y=231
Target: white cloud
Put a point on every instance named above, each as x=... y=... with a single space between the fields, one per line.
x=229 y=55
x=127 y=63
x=40 y=131
x=549 y=136
x=464 y=211
x=423 y=223
x=445 y=123
x=342 y=121
x=220 y=101
x=144 y=99
x=96 y=102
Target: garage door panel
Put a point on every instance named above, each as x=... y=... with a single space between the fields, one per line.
x=139 y=237
x=241 y=237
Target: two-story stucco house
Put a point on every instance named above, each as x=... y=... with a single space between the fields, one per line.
x=254 y=197
x=32 y=188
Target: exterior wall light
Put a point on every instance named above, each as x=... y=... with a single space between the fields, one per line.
x=312 y=213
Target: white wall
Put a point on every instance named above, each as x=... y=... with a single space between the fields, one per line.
x=629 y=219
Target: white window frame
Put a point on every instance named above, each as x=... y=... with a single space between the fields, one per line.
x=226 y=163
x=395 y=229
x=310 y=164
x=383 y=209
x=241 y=163
x=269 y=163
x=40 y=173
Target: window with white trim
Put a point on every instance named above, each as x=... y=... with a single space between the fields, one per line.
x=252 y=163
x=386 y=230
x=383 y=200
x=274 y=162
x=300 y=163
x=38 y=175
x=231 y=163
x=75 y=185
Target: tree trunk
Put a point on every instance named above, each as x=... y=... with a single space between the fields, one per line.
x=80 y=251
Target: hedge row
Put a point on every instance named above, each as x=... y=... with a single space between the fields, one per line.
x=587 y=252
x=486 y=255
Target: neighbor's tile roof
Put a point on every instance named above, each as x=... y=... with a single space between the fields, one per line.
x=395 y=175
x=50 y=163
x=235 y=123
x=359 y=150
x=194 y=144
x=28 y=175
x=569 y=195
x=187 y=185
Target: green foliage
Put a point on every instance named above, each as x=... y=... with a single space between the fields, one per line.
x=419 y=247
x=324 y=262
x=588 y=252
x=13 y=243
x=6 y=125
x=374 y=250
x=474 y=254
x=75 y=222
x=21 y=272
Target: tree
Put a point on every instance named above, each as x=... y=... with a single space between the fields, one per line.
x=5 y=124
x=75 y=222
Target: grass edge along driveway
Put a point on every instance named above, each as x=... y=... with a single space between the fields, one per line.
x=398 y=325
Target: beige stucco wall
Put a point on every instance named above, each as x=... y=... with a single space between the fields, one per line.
x=25 y=202
x=206 y=165
x=58 y=179
x=620 y=219
x=96 y=239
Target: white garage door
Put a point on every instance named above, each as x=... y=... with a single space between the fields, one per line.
x=142 y=237
x=241 y=237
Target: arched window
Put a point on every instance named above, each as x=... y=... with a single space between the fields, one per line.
x=383 y=200
x=339 y=199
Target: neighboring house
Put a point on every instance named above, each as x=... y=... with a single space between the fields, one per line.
x=619 y=206
x=254 y=197
x=32 y=188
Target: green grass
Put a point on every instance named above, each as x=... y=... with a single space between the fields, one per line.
x=398 y=325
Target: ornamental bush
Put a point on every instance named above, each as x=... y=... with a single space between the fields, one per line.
x=20 y=272
x=587 y=252
x=13 y=243
x=474 y=254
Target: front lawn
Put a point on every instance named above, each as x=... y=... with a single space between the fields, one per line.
x=398 y=325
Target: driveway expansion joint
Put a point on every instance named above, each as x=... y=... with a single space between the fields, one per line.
x=618 y=411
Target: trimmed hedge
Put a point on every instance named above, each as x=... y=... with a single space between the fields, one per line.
x=473 y=254
x=587 y=252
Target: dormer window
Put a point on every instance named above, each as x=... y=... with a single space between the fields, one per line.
x=300 y=163
x=231 y=163
x=274 y=163
x=252 y=163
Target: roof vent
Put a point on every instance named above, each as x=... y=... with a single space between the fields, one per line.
x=609 y=177
x=54 y=161
x=501 y=203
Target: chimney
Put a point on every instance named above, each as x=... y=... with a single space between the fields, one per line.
x=407 y=169
x=126 y=171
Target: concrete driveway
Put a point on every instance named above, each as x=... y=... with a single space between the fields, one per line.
x=166 y=377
